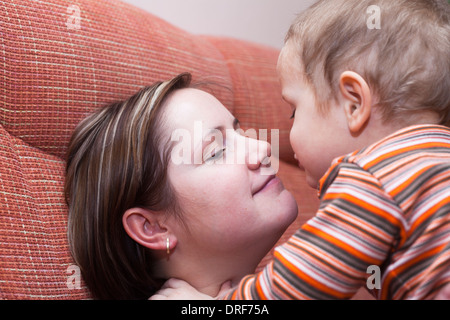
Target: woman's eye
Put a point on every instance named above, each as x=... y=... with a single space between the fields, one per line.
x=293 y=115
x=215 y=154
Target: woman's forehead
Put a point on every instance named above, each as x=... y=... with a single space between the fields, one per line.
x=188 y=106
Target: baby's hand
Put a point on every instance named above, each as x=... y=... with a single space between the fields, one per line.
x=175 y=289
x=444 y=293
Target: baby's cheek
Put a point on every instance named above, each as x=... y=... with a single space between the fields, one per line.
x=295 y=140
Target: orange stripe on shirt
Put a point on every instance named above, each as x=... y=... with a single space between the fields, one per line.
x=310 y=280
x=342 y=245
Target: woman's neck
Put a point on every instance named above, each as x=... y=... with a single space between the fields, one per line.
x=205 y=276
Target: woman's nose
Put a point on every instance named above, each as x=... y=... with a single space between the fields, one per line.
x=258 y=154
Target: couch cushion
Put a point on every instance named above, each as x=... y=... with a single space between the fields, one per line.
x=34 y=254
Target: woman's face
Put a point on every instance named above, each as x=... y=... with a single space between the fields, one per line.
x=229 y=207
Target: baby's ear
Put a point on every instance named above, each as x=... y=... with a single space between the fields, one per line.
x=147 y=228
x=357 y=100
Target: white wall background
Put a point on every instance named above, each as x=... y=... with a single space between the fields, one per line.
x=261 y=21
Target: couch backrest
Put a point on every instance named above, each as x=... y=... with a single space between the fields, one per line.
x=56 y=69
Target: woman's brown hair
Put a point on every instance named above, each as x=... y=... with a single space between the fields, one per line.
x=117 y=159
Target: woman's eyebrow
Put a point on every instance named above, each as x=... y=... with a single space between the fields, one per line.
x=236 y=125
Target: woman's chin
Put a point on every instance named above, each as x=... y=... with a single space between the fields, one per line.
x=285 y=212
x=290 y=206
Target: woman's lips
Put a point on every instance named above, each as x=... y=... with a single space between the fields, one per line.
x=271 y=181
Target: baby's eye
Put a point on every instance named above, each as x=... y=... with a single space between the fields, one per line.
x=293 y=115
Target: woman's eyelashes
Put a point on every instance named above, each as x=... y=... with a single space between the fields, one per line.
x=214 y=155
x=217 y=150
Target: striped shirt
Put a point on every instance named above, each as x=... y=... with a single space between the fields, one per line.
x=385 y=208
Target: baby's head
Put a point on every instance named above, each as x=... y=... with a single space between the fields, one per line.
x=366 y=67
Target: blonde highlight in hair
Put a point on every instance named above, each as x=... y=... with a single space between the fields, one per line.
x=406 y=62
x=117 y=159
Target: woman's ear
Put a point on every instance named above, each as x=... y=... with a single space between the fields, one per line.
x=146 y=228
x=357 y=100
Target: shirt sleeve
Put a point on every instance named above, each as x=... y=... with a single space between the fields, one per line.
x=357 y=226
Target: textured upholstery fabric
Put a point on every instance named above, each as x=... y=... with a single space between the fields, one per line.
x=53 y=75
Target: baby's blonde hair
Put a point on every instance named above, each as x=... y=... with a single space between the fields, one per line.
x=406 y=62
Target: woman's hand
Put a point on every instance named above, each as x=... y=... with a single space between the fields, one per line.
x=175 y=289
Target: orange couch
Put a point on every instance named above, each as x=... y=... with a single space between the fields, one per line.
x=56 y=69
